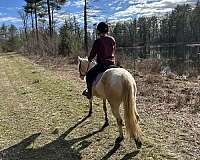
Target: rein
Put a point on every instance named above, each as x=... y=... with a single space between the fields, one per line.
x=81 y=74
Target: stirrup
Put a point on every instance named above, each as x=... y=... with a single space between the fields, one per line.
x=87 y=94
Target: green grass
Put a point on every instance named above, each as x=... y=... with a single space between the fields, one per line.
x=41 y=113
x=34 y=100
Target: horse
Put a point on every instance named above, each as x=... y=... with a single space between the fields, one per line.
x=118 y=87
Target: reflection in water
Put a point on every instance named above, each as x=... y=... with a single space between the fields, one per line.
x=181 y=59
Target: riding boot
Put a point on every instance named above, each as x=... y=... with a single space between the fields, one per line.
x=88 y=92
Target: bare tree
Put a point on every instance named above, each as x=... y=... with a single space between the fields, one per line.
x=24 y=17
x=85 y=27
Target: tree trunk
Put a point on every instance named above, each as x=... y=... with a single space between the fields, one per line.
x=32 y=22
x=85 y=28
x=52 y=13
x=25 y=25
x=50 y=22
x=36 y=25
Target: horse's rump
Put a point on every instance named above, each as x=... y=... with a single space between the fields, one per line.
x=110 y=83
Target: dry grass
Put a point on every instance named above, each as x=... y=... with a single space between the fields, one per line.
x=42 y=115
x=146 y=66
x=149 y=66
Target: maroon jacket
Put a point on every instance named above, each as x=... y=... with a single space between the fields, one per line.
x=104 y=47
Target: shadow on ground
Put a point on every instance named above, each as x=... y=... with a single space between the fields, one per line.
x=60 y=149
x=114 y=150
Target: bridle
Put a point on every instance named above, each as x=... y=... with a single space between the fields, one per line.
x=81 y=74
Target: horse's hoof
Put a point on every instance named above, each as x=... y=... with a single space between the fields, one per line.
x=138 y=143
x=119 y=140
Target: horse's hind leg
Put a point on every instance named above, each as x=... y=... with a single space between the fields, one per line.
x=90 y=111
x=105 y=113
x=137 y=115
x=115 y=110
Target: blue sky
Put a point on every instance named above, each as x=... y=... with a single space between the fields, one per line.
x=8 y=11
x=100 y=10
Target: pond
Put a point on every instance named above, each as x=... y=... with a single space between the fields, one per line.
x=181 y=59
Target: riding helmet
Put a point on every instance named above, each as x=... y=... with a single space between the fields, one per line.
x=102 y=27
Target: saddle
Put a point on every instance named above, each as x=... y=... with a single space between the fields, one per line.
x=97 y=79
x=100 y=74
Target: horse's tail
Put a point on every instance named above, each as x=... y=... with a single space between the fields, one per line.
x=130 y=113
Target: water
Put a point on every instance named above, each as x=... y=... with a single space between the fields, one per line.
x=181 y=59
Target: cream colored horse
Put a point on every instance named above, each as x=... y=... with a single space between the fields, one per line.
x=117 y=86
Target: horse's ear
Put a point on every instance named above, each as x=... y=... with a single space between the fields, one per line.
x=79 y=58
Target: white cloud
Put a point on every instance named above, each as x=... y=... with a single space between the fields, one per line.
x=68 y=3
x=9 y=19
x=128 y=12
x=62 y=16
x=150 y=7
x=133 y=2
x=78 y=4
x=116 y=10
x=3 y=14
x=94 y=13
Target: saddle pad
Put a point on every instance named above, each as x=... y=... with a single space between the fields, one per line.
x=97 y=79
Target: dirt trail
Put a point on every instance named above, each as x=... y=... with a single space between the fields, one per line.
x=42 y=115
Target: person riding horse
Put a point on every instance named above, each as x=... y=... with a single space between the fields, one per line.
x=116 y=86
x=104 y=48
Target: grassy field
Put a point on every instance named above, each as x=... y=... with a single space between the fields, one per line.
x=43 y=116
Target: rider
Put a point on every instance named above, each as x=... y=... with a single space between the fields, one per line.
x=104 y=48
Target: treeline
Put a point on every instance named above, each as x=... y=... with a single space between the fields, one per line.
x=67 y=40
x=182 y=25
x=40 y=35
x=9 y=38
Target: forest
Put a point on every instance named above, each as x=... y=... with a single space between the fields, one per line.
x=41 y=35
